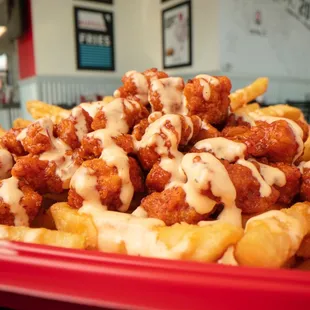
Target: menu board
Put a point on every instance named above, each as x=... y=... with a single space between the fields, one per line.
x=94 y=39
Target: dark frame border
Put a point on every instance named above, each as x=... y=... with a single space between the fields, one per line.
x=77 y=58
x=110 y=2
x=189 y=4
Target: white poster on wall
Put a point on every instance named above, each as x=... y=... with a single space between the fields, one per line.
x=267 y=37
x=176 y=35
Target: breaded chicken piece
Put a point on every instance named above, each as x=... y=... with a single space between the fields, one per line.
x=171 y=207
x=305 y=185
x=109 y=183
x=133 y=112
x=30 y=202
x=39 y=174
x=10 y=142
x=72 y=129
x=208 y=98
x=249 y=199
x=275 y=141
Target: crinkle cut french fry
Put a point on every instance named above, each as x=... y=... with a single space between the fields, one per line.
x=273 y=237
x=42 y=236
x=253 y=107
x=39 y=109
x=243 y=96
x=21 y=123
x=69 y=220
x=206 y=243
x=121 y=233
x=282 y=110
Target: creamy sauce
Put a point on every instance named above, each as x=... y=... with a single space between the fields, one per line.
x=303 y=165
x=12 y=195
x=229 y=257
x=141 y=84
x=265 y=189
x=6 y=163
x=205 y=81
x=206 y=173
x=58 y=152
x=222 y=148
x=170 y=91
x=80 y=123
x=272 y=175
x=115 y=156
x=85 y=184
x=158 y=134
x=92 y=107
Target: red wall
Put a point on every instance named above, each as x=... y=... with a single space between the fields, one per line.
x=25 y=48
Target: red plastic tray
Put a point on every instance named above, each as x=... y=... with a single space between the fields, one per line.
x=127 y=282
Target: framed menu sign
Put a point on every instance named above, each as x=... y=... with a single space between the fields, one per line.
x=176 y=36
x=94 y=36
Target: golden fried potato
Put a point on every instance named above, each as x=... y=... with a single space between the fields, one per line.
x=129 y=234
x=108 y=99
x=281 y=110
x=68 y=219
x=274 y=237
x=242 y=96
x=39 y=109
x=252 y=107
x=205 y=243
x=42 y=236
x=21 y=123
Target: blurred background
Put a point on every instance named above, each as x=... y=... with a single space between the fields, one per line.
x=67 y=51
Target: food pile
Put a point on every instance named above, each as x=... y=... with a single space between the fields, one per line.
x=165 y=169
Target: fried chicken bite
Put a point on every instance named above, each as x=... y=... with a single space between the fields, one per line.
x=6 y=163
x=154 y=74
x=108 y=184
x=10 y=142
x=171 y=207
x=166 y=95
x=163 y=137
x=92 y=146
x=120 y=114
x=35 y=138
x=207 y=97
x=72 y=129
x=19 y=203
x=157 y=179
x=305 y=185
x=206 y=131
x=38 y=174
x=275 y=141
x=136 y=84
x=249 y=198
x=292 y=185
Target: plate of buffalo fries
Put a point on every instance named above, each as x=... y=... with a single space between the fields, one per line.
x=165 y=171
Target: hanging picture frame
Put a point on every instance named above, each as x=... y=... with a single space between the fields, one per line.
x=177 y=36
x=94 y=36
